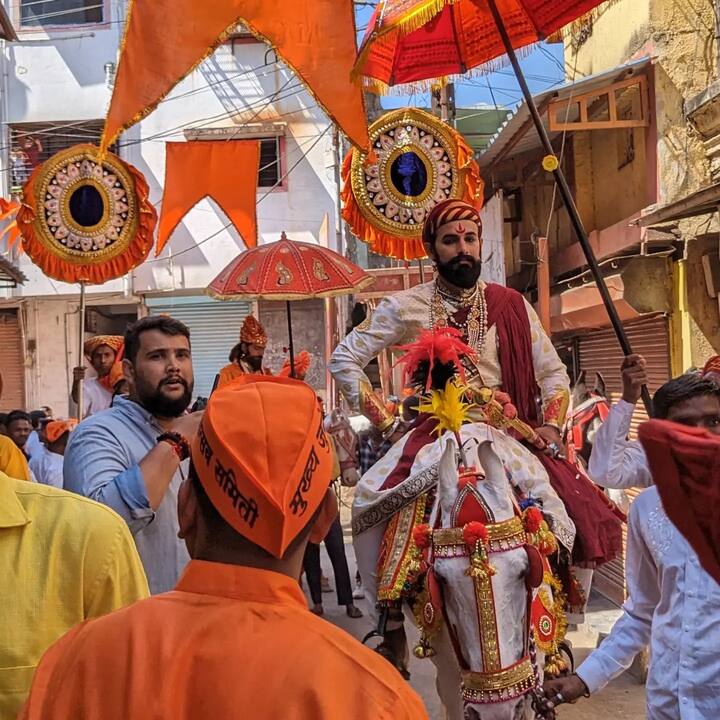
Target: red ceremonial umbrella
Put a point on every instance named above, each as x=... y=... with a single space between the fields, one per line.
x=413 y=40
x=288 y=270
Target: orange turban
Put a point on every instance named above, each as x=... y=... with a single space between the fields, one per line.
x=55 y=429
x=266 y=470
x=115 y=375
x=113 y=341
x=252 y=332
x=449 y=211
x=303 y=360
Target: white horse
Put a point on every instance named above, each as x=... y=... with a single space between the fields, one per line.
x=488 y=664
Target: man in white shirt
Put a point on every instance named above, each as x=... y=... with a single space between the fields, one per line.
x=48 y=465
x=103 y=351
x=673 y=605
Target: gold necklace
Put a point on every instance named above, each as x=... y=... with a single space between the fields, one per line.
x=476 y=322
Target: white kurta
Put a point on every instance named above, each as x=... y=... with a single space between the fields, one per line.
x=48 y=468
x=615 y=461
x=399 y=319
x=674 y=606
x=95 y=397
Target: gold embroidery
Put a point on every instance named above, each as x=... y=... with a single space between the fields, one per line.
x=319 y=270
x=501 y=684
x=284 y=275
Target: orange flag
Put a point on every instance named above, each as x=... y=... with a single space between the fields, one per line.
x=225 y=170
x=166 y=39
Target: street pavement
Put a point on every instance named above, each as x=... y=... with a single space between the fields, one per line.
x=623 y=699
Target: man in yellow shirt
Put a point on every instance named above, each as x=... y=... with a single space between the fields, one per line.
x=63 y=559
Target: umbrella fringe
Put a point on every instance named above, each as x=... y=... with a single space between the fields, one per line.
x=561 y=34
x=421 y=16
x=378 y=87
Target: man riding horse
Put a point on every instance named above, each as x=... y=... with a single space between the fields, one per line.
x=512 y=353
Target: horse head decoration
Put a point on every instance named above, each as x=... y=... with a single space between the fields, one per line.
x=345 y=441
x=481 y=576
x=590 y=409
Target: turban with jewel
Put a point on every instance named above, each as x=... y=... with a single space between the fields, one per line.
x=449 y=211
x=252 y=332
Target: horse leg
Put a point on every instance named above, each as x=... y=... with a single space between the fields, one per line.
x=367 y=550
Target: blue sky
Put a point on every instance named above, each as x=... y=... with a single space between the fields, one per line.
x=543 y=68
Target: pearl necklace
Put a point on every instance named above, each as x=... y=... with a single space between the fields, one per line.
x=474 y=300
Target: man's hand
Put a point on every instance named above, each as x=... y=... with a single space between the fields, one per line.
x=553 y=440
x=78 y=374
x=187 y=425
x=564 y=690
x=633 y=378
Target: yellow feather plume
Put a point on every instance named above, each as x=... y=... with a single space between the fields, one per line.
x=447 y=407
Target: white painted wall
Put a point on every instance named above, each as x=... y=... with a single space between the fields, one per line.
x=61 y=76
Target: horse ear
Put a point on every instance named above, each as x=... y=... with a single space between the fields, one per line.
x=492 y=466
x=448 y=479
x=600 y=384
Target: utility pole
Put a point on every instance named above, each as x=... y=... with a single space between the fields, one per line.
x=443 y=103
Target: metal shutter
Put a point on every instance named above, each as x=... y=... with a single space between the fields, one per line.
x=11 y=362
x=214 y=331
x=600 y=352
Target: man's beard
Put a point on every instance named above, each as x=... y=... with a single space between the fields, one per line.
x=158 y=404
x=462 y=276
x=254 y=361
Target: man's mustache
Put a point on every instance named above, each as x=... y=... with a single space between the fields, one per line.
x=175 y=379
x=462 y=258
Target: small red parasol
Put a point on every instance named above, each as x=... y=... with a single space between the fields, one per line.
x=288 y=270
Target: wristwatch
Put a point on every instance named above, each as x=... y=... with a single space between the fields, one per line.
x=180 y=446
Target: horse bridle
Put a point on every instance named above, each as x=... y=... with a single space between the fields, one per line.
x=496 y=683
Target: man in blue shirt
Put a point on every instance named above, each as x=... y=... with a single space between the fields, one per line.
x=133 y=456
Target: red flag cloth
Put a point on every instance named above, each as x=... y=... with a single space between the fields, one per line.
x=685 y=466
x=226 y=171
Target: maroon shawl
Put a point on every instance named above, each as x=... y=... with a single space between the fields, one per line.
x=685 y=466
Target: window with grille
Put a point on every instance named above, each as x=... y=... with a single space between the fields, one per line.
x=34 y=13
x=33 y=143
x=270 y=172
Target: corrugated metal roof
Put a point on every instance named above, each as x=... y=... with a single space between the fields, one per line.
x=10 y=276
x=519 y=123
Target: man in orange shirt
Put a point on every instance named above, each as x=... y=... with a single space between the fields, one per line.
x=235 y=637
x=247 y=356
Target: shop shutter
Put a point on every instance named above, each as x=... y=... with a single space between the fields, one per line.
x=214 y=330
x=11 y=362
x=600 y=351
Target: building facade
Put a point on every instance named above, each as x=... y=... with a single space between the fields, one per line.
x=57 y=82
x=642 y=176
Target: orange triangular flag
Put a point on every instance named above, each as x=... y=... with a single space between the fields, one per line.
x=224 y=170
x=166 y=39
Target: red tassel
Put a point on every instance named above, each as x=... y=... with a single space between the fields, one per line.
x=441 y=345
x=475 y=532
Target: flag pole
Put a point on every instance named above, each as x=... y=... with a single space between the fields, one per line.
x=567 y=197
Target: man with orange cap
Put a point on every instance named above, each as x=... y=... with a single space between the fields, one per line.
x=247 y=356
x=103 y=351
x=48 y=466
x=236 y=631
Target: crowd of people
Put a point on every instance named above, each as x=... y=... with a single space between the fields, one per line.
x=152 y=555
